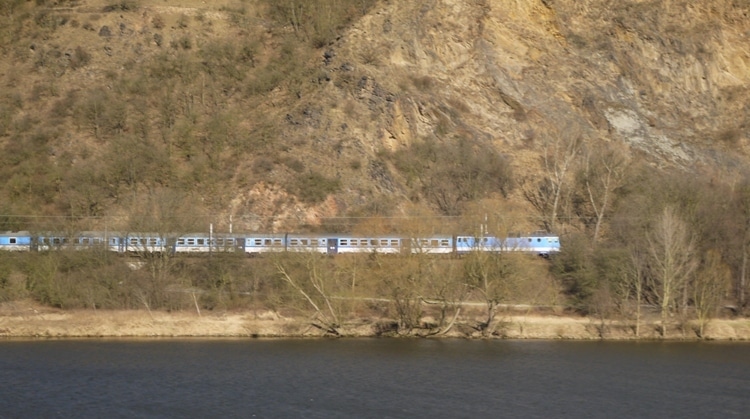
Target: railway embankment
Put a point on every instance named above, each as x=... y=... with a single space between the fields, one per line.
x=27 y=320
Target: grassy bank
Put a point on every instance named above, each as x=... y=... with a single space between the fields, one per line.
x=26 y=319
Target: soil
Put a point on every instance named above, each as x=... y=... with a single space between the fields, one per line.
x=26 y=319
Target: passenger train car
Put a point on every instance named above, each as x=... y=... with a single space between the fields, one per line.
x=542 y=244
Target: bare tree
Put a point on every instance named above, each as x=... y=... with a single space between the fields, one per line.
x=742 y=199
x=154 y=225
x=635 y=279
x=309 y=275
x=558 y=158
x=494 y=277
x=672 y=259
x=404 y=284
x=603 y=171
x=446 y=290
x=709 y=286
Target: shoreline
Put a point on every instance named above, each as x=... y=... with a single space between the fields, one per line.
x=25 y=320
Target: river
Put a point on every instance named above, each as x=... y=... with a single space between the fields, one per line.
x=372 y=378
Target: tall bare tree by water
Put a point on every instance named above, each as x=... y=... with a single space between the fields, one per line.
x=495 y=277
x=311 y=276
x=742 y=202
x=635 y=278
x=558 y=159
x=672 y=260
x=603 y=170
x=709 y=287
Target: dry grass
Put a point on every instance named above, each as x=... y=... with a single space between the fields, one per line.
x=25 y=319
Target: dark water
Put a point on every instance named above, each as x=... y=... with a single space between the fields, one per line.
x=377 y=378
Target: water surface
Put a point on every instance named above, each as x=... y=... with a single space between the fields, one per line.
x=377 y=378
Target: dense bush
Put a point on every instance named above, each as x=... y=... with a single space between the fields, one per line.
x=314 y=187
x=451 y=174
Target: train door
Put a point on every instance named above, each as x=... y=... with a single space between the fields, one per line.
x=333 y=246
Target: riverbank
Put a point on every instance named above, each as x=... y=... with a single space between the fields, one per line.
x=23 y=319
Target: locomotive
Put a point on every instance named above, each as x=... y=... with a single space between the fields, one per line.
x=540 y=243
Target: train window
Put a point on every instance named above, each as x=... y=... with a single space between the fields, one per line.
x=538 y=240
x=277 y=242
x=343 y=242
x=201 y=242
x=180 y=242
x=56 y=240
x=12 y=240
x=303 y=242
x=445 y=242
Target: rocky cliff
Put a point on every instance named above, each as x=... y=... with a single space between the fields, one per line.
x=667 y=81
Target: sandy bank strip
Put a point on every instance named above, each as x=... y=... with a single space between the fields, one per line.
x=81 y=323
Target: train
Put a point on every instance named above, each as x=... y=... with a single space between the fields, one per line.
x=539 y=243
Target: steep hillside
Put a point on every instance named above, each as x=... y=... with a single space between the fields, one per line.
x=272 y=115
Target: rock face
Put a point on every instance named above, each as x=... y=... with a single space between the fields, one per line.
x=669 y=78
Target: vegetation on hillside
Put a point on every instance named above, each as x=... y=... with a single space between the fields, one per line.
x=123 y=115
x=136 y=100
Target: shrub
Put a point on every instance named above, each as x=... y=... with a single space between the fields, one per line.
x=158 y=22
x=454 y=173
x=123 y=5
x=79 y=58
x=262 y=165
x=314 y=187
x=293 y=164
